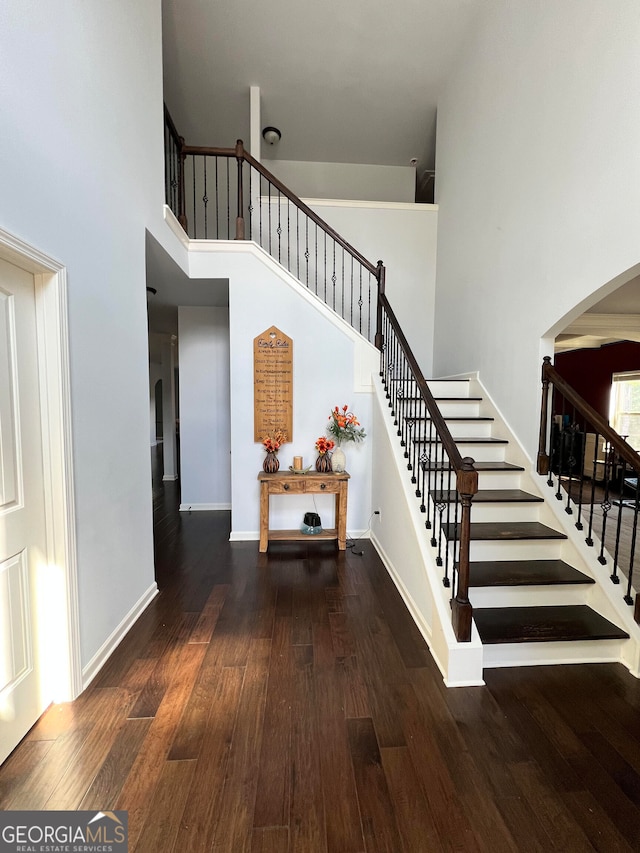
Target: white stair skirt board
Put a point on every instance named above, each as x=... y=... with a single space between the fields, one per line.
x=204 y=507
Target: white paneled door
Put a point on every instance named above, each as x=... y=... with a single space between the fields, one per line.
x=22 y=511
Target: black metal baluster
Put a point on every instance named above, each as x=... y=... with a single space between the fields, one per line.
x=205 y=198
x=316 y=256
x=628 y=598
x=606 y=504
x=561 y=451
x=228 y=201
x=325 y=266
x=571 y=462
x=269 y=208
x=431 y=476
x=306 y=251
x=360 y=303
x=342 y=290
x=351 y=295
x=250 y=203
x=333 y=276
x=195 y=221
x=217 y=200
x=288 y=235
x=614 y=573
x=589 y=538
x=583 y=445
x=279 y=228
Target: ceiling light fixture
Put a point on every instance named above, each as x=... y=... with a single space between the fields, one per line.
x=271 y=135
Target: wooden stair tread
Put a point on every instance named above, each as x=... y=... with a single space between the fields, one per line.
x=544 y=624
x=505 y=531
x=479 y=466
x=489 y=496
x=481 y=439
x=524 y=573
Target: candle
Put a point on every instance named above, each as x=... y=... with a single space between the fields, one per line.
x=297 y=463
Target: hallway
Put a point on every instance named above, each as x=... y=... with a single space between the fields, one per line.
x=286 y=702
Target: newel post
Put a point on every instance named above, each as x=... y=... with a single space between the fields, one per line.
x=543 y=457
x=380 y=275
x=182 y=205
x=240 y=216
x=461 y=609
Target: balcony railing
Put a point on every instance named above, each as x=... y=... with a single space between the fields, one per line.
x=595 y=474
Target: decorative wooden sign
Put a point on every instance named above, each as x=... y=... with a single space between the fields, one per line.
x=272 y=384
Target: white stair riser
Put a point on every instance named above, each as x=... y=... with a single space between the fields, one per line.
x=448 y=388
x=481 y=512
x=519 y=549
x=528 y=596
x=478 y=452
x=459 y=409
x=540 y=654
x=499 y=479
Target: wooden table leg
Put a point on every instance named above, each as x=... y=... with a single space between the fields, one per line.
x=341 y=516
x=264 y=517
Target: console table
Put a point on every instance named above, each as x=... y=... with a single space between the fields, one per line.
x=286 y=483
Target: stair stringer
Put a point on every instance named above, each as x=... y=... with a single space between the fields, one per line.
x=602 y=596
x=402 y=542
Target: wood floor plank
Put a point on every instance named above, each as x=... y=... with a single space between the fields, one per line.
x=104 y=789
x=307 y=819
x=235 y=817
x=136 y=795
x=272 y=839
x=344 y=830
x=416 y=827
x=161 y=826
x=274 y=780
x=378 y=819
x=19 y=768
x=205 y=626
x=73 y=785
x=200 y=815
x=564 y=829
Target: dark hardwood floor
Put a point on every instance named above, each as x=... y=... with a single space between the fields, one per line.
x=286 y=702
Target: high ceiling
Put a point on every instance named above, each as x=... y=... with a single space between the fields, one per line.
x=353 y=82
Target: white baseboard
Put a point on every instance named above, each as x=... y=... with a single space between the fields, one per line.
x=96 y=663
x=244 y=536
x=169 y=478
x=203 y=507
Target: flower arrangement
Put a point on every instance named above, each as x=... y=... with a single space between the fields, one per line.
x=344 y=426
x=272 y=443
x=324 y=445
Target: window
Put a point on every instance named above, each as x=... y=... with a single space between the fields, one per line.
x=624 y=410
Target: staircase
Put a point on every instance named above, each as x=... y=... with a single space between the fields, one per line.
x=534 y=598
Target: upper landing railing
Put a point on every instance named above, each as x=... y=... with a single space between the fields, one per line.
x=225 y=194
x=595 y=473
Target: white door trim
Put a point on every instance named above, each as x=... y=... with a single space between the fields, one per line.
x=55 y=404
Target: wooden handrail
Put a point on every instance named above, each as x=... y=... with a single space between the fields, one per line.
x=439 y=422
x=373 y=269
x=630 y=456
x=285 y=191
x=171 y=126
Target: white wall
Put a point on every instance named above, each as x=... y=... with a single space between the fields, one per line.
x=538 y=184
x=345 y=180
x=82 y=176
x=205 y=429
x=332 y=366
x=404 y=237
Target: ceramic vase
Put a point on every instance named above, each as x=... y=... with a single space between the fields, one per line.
x=271 y=462
x=338 y=460
x=323 y=463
